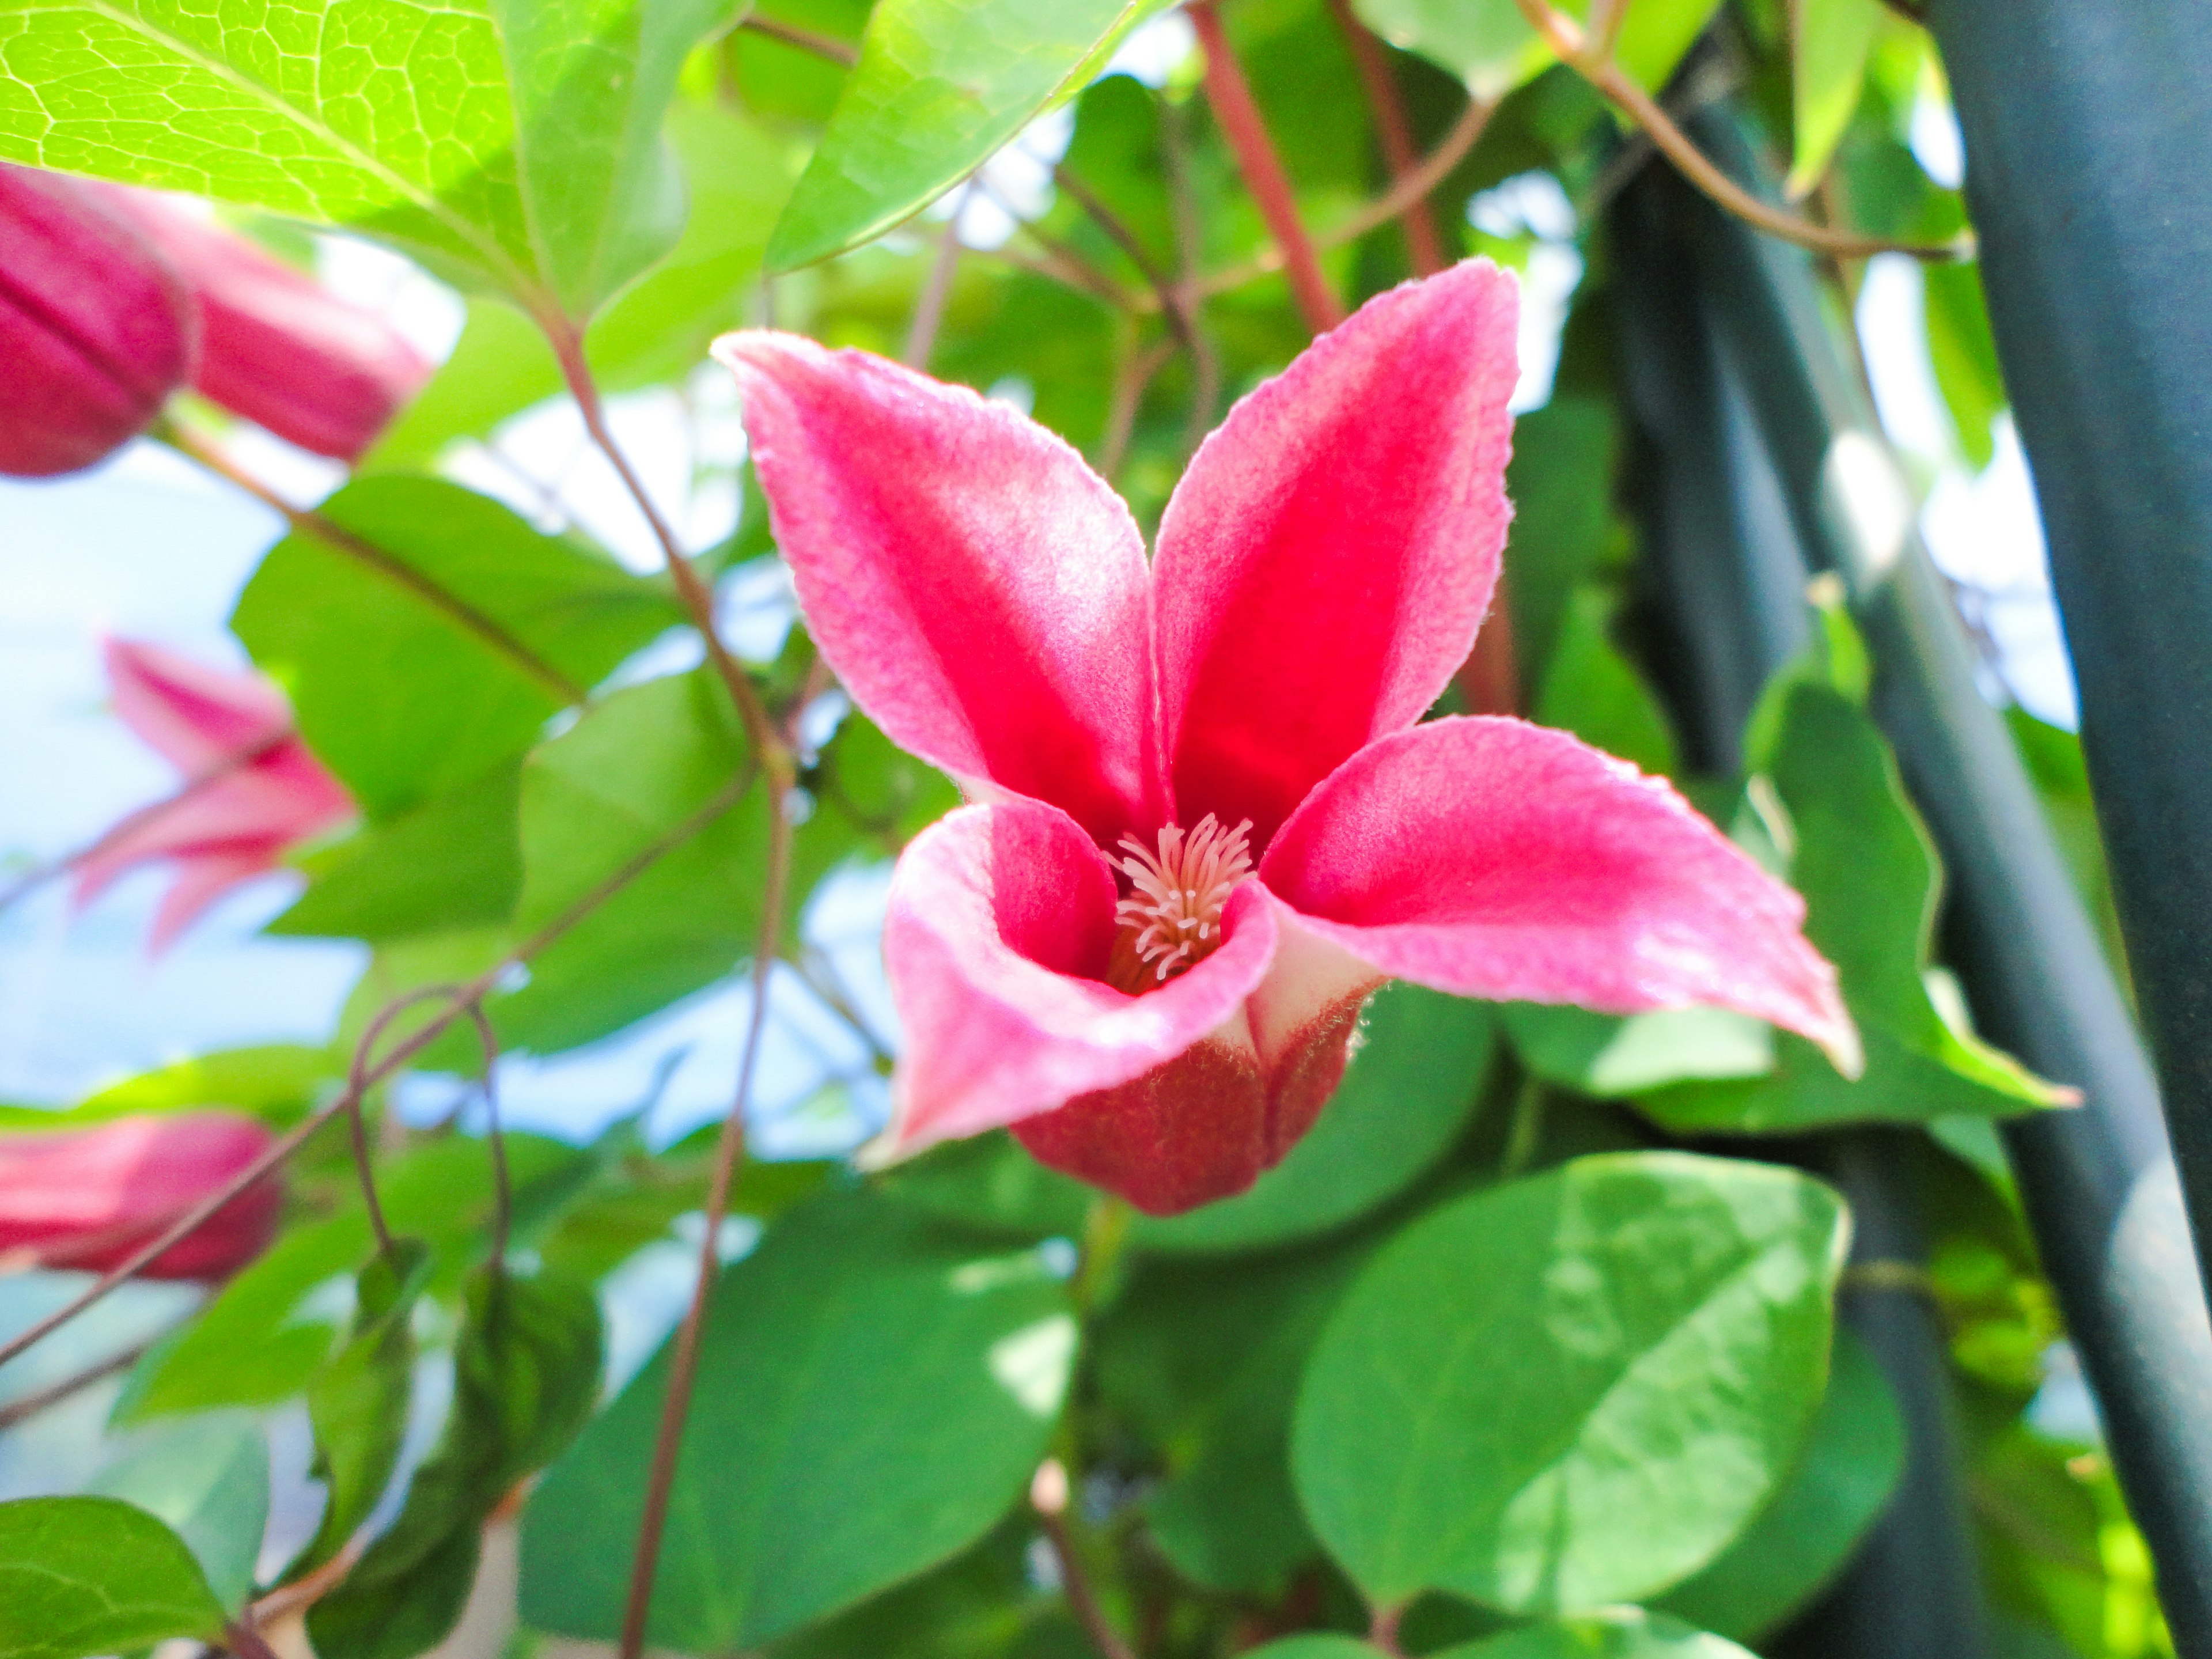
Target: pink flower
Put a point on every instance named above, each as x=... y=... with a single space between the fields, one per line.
x=276 y=347
x=251 y=790
x=86 y=1199
x=1208 y=825
x=95 y=329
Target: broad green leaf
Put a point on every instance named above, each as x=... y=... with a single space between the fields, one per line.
x=983 y=1605
x=85 y=1576
x=1872 y=883
x=1203 y=1358
x=1854 y=1455
x=358 y=1402
x=1486 y=43
x=501 y=366
x=1560 y=479
x=940 y=85
x=452 y=862
x=1573 y=1390
x=525 y=1375
x=1615 y=1059
x=1827 y=68
x=438 y=641
x=872 y=1398
x=1316 y=1645
x=207 y=1479
x=1619 y=1633
x=510 y=143
x=276 y=1082
x=1964 y=354
x=1590 y=690
x=270 y=1329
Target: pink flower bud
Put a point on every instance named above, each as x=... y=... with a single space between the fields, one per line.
x=86 y=1199
x=276 y=347
x=95 y=330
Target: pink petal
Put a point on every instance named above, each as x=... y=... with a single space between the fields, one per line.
x=1000 y=922
x=192 y=714
x=1325 y=562
x=201 y=880
x=1494 y=858
x=979 y=590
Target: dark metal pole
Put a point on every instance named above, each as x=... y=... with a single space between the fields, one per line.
x=2087 y=124
x=1724 y=545
x=2098 y=1182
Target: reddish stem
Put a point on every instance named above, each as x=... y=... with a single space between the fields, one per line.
x=1423 y=246
x=1227 y=91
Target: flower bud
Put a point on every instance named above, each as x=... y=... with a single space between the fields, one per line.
x=277 y=348
x=95 y=330
x=86 y=1199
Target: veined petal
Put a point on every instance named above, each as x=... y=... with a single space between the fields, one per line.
x=1000 y=922
x=1494 y=858
x=1325 y=562
x=979 y=590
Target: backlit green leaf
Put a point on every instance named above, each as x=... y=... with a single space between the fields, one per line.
x=85 y=1576
x=1828 y=66
x=1622 y=1633
x=207 y=1479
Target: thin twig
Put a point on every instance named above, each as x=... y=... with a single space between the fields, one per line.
x=1174 y=302
x=682 y=1371
x=568 y=348
x=30 y=1405
x=1137 y=371
x=1382 y=1628
x=1230 y=96
x=1424 y=251
x=1049 y=1497
x=238 y=760
x=936 y=288
x=1062 y=262
x=241 y=1637
x=807 y=39
x=503 y=1182
x=357 y=1089
x=1589 y=61
x=481 y=987
x=309 y=522
x=1190 y=240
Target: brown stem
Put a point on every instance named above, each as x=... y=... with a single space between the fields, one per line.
x=1049 y=1498
x=1174 y=302
x=1423 y=251
x=807 y=39
x=936 y=288
x=238 y=760
x=1230 y=96
x=30 y=1405
x=1138 y=368
x=475 y=991
x=1567 y=38
x=502 y=1181
x=245 y=1642
x=568 y=347
x=1382 y=1628
x=682 y=1371
x=309 y=522
x=1058 y=261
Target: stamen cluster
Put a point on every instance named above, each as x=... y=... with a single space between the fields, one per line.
x=1171 y=919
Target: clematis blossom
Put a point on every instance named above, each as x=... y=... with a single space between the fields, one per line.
x=1205 y=822
x=253 y=789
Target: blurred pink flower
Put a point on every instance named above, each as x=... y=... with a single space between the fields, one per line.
x=1210 y=825
x=86 y=1199
x=95 y=328
x=253 y=789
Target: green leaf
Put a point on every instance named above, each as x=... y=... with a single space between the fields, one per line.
x=1827 y=68
x=525 y=1375
x=1573 y=1390
x=452 y=862
x=439 y=640
x=501 y=366
x=1618 y=1633
x=85 y=1576
x=1486 y=43
x=1316 y=1645
x=872 y=1398
x=1204 y=1358
x=208 y=1479
x=276 y=1082
x=1560 y=479
x=1872 y=884
x=940 y=85
x=516 y=144
x=1853 y=1458
x=1964 y=354
x=1614 y=1059
x=1591 y=691
x=358 y=1403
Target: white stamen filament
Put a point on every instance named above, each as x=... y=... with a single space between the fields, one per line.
x=1172 y=918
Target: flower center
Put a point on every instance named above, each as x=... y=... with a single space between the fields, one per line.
x=1171 y=919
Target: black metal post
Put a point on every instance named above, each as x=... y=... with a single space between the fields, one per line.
x=2098 y=1183
x=2087 y=125
x=1725 y=550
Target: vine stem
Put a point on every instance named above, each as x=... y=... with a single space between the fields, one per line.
x=936 y=288
x=1592 y=59
x=683 y=1371
x=476 y=990
x=1230 y=96
x=1423 y=251
x=30 y=1405
x=1048 y=1496
x=775 y=756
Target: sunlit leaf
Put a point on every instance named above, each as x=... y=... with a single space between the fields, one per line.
x=207 y=1479
x=85 y=1576
x=1828 y=66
